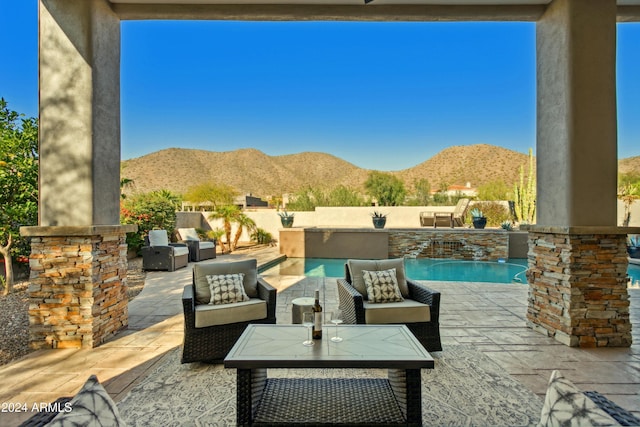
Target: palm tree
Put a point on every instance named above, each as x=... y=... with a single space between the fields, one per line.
x=228 y=214
x=243 y=222
x=628 y=193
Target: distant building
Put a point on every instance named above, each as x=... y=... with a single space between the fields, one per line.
x=243 y=202
x=454 y=190
x=249 y=201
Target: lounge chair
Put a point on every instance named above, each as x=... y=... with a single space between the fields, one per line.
x=459 y=212
x=443 y=219
x=198 y=249
x=159 y=254
x=419 y=309
x=212 y=325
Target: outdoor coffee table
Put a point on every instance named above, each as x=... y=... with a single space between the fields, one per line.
x=339 y=401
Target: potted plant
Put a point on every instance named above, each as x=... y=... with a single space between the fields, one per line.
x=379 y=219
x=478 y=218
x=286 y=219
x=633 y=246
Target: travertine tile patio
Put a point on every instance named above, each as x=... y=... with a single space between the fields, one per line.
x=489 y=317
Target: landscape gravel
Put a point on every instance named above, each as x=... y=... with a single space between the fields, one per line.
x=14 y=313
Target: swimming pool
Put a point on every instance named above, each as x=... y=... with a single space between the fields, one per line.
x=509 y=271
x=418 y=269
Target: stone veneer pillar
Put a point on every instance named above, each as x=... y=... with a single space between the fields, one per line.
x=77 y=289
x=578 y=285
x=577 y=260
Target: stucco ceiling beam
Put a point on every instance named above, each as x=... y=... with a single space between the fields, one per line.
x=628 y=13
x=297 y=12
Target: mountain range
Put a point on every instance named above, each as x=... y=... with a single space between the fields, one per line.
x=251 y=171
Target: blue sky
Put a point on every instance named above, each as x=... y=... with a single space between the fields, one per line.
x=384 y=96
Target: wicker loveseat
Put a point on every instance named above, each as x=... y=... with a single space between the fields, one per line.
x=211 y=329
x=419 y=310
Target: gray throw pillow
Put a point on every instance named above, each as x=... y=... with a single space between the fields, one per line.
x=382 y=286
x=226 y=288
x=248 y=267
x=92 y=406
x=566 y=405
x=356 y=266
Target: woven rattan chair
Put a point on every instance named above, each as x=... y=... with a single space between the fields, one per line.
x=211 y=330
x=358 y=310
x=159 y=254
x=199 y=250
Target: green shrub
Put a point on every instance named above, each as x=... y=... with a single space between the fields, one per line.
x=496 y=213
x=261 y=236
x=154 y=210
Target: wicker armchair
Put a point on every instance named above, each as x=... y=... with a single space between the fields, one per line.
x=159 y=254
x=210 y=330
x=199 y=250
x=357 y=310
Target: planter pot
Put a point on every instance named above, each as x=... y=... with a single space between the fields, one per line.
x=634 y=251
x=479 y=222
x=379 y=222
x=287 y=221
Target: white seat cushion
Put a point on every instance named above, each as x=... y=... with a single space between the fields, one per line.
x=180 y=250
x=206 y=245
x=407 y=311
x=212 y=315
x=188 y=234
x=200 y=272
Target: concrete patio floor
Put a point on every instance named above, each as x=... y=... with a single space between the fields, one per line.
x=489 y=317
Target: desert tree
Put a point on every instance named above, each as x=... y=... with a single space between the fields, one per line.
x=388 y=189
x=215 y=194
x=18 y=185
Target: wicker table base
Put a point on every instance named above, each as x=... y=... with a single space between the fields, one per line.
x=337 y=401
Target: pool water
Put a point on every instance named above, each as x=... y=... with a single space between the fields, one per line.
x=507 y=271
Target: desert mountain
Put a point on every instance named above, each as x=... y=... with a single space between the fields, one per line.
x=630 y=164
x=477 y=164
x=250 y=171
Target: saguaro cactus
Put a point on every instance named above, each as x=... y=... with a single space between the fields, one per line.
x=525 y=194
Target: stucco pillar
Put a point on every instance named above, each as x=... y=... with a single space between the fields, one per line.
x=577 y=260
x=77 y=290
x=576 y=125
x=79 y=60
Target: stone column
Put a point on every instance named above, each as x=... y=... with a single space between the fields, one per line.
x=577 y=260
x=77 y=290
x=578 y=286
x=77 y=287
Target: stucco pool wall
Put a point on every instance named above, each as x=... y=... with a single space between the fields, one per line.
x=369 y=243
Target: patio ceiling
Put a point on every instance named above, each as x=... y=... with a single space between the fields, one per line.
x=348 y=10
